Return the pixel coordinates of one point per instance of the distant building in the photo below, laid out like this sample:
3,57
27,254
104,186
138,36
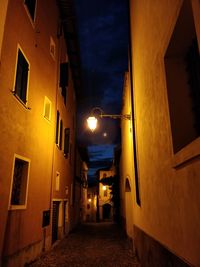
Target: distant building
104,195
91,204
160,166
37,119
81,186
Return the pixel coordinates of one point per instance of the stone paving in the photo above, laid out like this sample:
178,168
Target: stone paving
91,245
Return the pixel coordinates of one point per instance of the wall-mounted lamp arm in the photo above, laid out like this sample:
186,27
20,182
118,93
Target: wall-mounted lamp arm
116,116
92,120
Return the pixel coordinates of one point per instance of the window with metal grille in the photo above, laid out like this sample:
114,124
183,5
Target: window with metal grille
31,6
20,181
21,80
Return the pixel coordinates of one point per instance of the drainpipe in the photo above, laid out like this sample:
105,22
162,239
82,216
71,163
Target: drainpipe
133,114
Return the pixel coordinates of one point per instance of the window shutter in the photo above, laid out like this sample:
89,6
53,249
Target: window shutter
61,134
66,142
21,77
64,79
57,126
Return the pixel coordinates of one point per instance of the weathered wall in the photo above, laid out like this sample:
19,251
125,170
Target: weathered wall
169,183
26,132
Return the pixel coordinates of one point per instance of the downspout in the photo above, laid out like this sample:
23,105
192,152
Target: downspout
137,190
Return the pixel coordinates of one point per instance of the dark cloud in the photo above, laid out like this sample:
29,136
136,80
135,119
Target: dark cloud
103,37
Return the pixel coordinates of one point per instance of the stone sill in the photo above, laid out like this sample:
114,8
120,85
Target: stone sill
187,155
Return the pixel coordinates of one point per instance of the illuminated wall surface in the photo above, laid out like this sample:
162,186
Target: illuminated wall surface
37,158
127,172
166,223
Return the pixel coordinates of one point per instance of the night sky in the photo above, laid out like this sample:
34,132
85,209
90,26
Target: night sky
103,38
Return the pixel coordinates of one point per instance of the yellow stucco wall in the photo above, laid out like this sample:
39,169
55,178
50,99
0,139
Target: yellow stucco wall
3,12
126,164
170,199
25,131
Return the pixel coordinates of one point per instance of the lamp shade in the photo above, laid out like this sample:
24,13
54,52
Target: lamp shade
92,123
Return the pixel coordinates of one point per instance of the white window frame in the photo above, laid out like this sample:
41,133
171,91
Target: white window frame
28,13
19,207
47,101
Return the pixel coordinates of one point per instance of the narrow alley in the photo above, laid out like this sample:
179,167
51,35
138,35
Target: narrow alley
93,244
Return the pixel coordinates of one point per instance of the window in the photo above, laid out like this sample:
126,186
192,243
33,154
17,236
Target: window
57,182
31,4
66,141
61,134
182,67
57,127
20,181
105,193
47,108
52,48
64,80
21,80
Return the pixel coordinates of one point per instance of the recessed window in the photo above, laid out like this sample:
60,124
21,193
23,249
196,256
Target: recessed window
20,181
64,79
52,48
57,127
47,108
31,7
182,65
57,182
21,80
105,193
61,135
66,141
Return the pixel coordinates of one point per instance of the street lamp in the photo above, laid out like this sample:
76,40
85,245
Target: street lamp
92,120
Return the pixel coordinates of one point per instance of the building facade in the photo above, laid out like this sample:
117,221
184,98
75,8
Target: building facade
37,116
104,195
91,205
126,162
163,214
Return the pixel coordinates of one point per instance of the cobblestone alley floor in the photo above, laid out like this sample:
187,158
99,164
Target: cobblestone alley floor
91,245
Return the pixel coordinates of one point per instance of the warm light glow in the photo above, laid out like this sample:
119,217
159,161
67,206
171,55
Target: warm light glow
89,200
104,187
92,123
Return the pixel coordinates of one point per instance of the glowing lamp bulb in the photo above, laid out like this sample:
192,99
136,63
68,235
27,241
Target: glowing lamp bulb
104,187
92,123
89,200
